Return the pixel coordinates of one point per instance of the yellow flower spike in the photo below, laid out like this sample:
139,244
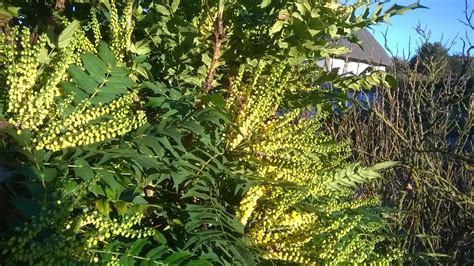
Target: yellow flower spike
289,149
31,99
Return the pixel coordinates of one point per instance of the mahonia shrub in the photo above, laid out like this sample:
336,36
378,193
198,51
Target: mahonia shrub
97,182
73,97
79,94
303,206
107,166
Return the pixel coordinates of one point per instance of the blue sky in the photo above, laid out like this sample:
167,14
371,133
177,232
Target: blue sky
442,18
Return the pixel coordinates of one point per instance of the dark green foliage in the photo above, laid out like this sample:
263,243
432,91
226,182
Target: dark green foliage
430,56
172,173
179,160
181,36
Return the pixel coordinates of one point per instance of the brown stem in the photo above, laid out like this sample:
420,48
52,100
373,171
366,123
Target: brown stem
60,4
219,38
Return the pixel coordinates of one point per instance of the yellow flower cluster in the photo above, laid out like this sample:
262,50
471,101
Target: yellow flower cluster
114,26
7,50
111,228
290,215
27,247
121,29
254,103
292,225
249,203
345,242
387,259
21,78
31,89
334,203
83,45
290,255
95,27
84,127
205,22
338,9
20,248
34,90
62,19
331,247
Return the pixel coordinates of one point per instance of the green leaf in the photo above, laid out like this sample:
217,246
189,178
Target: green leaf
178,257
126,260
43,56
96,189
106,54
315,24
119,71
242,254
70,187
194,127
121,207
157,88
31,172
302,8
26,206
49,174
103,207
433,254
175,94
391,81
140,48
83,80
165,142
265,3
23,138
120,82
95,66
67,34
178,222
137,246
162,9
107,94
179,177
70,88
110,180
199,262
155,101
196,194
401,9
156,252
175,5
83,170
277,26
9,10
384,165
152,143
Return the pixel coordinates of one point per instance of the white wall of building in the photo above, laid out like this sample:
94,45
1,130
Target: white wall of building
354,68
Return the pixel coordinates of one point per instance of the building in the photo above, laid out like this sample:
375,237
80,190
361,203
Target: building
370,53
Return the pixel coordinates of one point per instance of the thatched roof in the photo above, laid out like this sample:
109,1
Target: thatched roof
372,52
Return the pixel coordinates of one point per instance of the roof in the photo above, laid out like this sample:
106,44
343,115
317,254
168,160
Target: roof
372,52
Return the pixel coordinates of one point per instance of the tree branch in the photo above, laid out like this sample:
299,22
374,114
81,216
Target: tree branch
219,38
